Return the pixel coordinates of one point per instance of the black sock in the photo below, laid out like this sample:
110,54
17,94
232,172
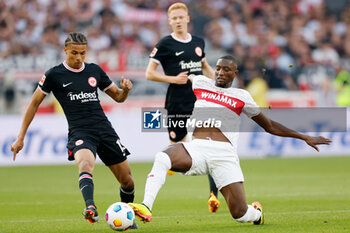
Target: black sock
86,186
213,187
127,195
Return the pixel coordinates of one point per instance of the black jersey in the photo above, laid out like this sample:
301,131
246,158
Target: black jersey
76,91
177,56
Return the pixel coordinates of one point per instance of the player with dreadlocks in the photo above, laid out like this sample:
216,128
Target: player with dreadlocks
74,83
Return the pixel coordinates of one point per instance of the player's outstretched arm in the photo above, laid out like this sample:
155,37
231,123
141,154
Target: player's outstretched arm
153,75
37,98
122,93
278,129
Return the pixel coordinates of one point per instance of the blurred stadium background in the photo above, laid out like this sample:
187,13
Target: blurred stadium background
292,53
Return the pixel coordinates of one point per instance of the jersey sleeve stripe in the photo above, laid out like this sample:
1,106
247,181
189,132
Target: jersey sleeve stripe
104,90
155,60
43,91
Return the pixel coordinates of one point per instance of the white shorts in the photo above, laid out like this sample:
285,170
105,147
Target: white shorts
216,158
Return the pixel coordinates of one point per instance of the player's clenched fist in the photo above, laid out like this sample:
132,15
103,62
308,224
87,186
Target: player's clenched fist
181,78
125,84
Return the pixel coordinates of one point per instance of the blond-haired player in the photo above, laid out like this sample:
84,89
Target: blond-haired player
180,54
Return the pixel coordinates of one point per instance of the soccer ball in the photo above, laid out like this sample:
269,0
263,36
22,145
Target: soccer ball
120,216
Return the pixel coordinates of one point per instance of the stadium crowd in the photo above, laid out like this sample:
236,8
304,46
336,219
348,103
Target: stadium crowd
291,44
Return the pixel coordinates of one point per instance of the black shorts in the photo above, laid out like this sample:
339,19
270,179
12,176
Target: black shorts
105,142
177,126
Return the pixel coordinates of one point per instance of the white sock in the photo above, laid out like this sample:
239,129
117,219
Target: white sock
250,216
156,178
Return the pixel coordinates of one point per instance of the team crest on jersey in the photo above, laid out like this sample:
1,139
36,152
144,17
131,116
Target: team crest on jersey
92,81
198,51
79,142
172,134
42,80
154,51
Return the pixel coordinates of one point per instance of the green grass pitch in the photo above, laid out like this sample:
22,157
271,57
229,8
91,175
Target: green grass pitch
298,195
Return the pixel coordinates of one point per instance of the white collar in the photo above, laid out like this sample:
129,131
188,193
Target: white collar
189,38
72,69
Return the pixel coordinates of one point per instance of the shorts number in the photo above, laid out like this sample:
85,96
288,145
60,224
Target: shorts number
122,148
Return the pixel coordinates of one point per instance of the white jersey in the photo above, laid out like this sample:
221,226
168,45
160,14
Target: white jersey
215,104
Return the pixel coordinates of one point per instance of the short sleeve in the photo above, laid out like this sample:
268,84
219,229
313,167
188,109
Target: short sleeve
200,81
105,82
159,52
45,83
251,109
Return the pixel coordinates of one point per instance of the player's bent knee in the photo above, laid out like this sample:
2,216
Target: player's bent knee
163,158
86,166
181,161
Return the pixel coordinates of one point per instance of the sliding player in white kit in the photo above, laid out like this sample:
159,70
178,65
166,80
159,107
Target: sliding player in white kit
213,149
